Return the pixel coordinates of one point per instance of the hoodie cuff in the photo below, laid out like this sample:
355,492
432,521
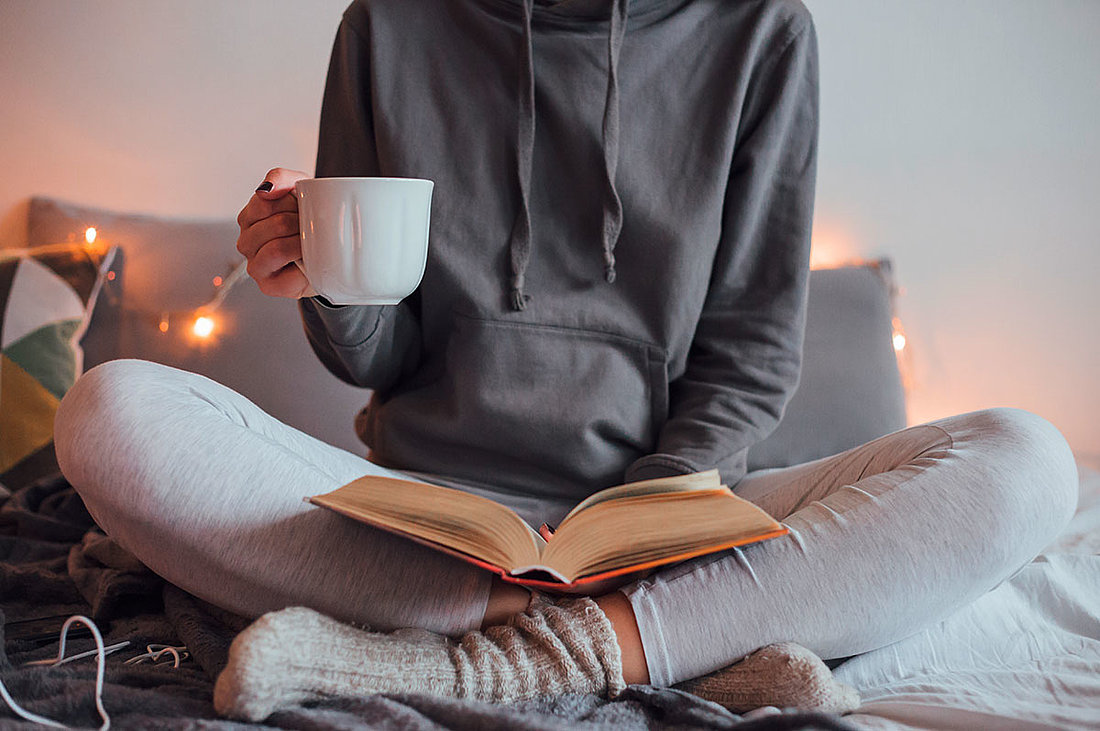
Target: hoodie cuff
346,325
653,466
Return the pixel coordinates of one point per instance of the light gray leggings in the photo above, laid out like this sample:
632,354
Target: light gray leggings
885,539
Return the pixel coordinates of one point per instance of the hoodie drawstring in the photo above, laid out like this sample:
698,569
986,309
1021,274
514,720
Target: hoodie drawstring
613,207
520,244
520,241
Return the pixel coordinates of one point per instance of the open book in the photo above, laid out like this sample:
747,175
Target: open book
617,532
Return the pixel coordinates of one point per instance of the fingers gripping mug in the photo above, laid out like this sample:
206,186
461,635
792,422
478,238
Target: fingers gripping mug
364,240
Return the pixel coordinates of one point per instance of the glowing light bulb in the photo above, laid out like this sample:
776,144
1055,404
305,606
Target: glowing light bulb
899,341
163,324
203,326
217,281
110,276
89,235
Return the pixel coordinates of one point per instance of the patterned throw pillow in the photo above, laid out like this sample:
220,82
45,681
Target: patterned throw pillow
167,265
46,298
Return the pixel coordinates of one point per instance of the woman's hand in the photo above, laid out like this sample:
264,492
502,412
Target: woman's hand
269,237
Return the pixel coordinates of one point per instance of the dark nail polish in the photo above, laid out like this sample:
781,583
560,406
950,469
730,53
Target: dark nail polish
265,187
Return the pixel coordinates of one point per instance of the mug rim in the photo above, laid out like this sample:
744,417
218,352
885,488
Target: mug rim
338,178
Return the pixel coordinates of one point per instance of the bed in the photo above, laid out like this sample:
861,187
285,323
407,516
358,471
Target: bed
1025,656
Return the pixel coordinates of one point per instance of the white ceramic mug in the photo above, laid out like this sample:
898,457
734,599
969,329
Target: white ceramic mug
364,240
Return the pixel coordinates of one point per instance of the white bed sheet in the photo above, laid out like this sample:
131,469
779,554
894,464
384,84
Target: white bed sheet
1024,656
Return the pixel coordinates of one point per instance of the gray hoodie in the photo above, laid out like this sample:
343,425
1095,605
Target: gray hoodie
617,268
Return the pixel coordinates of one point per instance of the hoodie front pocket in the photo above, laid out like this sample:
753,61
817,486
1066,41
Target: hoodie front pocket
559,411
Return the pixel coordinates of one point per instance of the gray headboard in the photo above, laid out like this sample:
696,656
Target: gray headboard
850,390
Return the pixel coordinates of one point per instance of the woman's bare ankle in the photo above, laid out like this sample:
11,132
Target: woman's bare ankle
618,610
504,600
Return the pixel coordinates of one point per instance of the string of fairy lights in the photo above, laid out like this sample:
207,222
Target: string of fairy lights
203,321
897,335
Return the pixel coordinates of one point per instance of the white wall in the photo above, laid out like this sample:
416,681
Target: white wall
960,138
164,106
956,137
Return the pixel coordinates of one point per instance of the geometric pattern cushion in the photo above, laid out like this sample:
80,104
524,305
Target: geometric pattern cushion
167,265
46,297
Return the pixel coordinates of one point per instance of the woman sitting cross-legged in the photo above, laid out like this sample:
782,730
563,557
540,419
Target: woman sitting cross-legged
615,291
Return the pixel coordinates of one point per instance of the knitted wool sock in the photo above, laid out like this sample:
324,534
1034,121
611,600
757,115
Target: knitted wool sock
296,655
782,675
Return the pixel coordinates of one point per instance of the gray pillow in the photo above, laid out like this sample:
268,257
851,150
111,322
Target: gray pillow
850,391
169,265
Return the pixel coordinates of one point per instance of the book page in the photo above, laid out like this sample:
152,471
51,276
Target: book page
459,520
677,483
655,529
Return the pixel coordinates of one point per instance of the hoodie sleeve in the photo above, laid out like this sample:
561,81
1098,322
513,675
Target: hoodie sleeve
369,346
746,353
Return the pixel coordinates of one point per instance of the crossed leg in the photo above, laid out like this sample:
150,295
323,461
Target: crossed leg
206,489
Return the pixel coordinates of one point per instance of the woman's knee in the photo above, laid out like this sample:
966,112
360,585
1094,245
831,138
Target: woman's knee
1028,458
1040,446
106,409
